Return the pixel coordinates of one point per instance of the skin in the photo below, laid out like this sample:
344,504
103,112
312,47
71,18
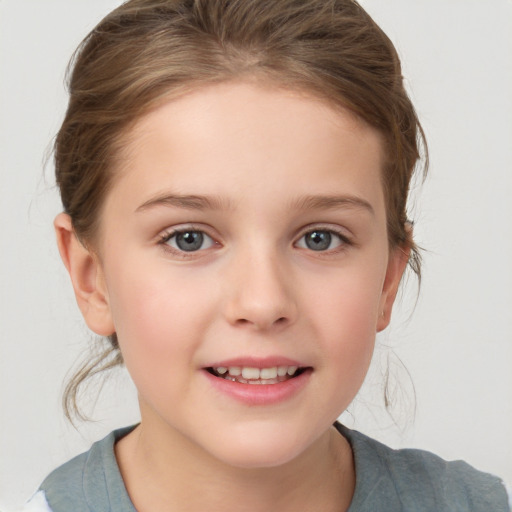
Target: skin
254,288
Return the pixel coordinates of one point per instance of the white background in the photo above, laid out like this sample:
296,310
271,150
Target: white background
457,345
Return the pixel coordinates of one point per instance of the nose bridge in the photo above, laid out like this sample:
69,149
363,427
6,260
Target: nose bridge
260,292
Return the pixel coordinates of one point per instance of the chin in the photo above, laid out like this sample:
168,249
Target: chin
253,448
257,458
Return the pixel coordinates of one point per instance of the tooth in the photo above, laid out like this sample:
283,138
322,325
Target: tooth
292,370
282,370
268,373
250,373
255,382
235,371
221,370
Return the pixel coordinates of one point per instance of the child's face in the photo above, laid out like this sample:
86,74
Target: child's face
280,259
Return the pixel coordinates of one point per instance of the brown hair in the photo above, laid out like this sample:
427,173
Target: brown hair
146,51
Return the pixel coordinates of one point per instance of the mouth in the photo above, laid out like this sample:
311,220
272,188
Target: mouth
257,376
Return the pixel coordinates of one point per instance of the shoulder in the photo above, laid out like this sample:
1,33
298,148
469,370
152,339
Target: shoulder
452,483
419,480
64,487
86,483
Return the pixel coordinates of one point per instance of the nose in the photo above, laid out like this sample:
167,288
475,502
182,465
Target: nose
260,293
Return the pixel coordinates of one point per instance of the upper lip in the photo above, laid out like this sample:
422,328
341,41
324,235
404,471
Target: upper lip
256,362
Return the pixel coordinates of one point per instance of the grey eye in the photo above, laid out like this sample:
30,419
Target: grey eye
320,240
190,241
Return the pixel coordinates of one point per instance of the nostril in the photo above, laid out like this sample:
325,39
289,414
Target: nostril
262,324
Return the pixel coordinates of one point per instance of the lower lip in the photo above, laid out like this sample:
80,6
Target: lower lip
260,394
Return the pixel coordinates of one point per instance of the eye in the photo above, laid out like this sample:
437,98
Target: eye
189,240
321,240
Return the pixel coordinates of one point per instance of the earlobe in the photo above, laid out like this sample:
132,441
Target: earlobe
86,277
398,259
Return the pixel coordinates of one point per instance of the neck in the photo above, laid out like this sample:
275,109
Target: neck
164,474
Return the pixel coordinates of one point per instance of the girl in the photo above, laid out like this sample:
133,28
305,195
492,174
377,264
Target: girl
234,176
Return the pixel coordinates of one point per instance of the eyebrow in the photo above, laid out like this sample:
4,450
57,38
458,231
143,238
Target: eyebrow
333,202
188,202
311,202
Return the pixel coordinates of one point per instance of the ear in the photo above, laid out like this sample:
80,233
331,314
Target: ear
398,259
86,276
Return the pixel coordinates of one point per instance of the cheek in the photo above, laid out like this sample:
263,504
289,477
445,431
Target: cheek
345,310
348,300
156,325
157,316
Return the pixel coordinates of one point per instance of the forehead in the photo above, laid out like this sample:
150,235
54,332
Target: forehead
238,138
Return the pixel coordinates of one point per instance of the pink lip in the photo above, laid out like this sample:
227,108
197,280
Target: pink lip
259,394
257,362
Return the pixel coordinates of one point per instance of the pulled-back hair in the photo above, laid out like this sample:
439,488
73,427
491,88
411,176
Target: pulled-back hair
149,51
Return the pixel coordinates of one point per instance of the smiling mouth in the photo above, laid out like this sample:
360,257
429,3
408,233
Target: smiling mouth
248,375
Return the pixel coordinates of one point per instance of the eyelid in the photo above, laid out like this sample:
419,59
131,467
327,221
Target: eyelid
333,228
183,227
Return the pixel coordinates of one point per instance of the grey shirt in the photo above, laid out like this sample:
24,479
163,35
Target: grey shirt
387,480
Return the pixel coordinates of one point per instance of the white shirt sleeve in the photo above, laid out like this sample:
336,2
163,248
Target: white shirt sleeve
37,503
509,493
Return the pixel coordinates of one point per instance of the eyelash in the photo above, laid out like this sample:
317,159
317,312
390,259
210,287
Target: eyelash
166,237
344,240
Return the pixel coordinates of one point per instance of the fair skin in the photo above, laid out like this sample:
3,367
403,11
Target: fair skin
281,259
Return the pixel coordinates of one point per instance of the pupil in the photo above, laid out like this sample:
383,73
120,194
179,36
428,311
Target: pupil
189,241
318,240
